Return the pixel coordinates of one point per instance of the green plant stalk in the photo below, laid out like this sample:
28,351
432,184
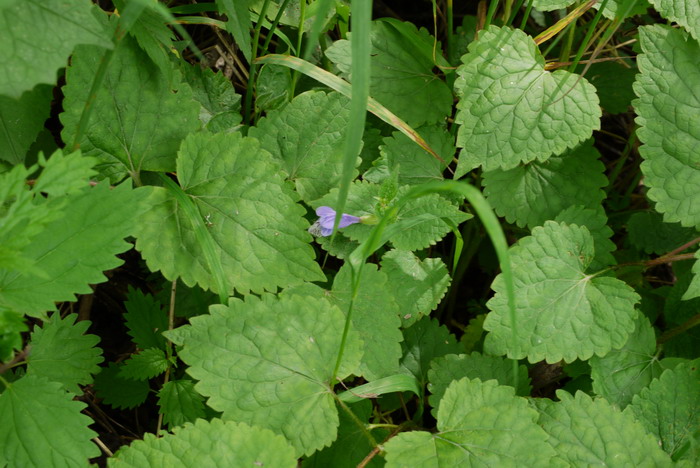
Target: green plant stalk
591,29
450,29
492,11
517,8
566,49
556,40
300,40
253,67
363,427
693,321
526,16
506,10
621,161
271,33
168,343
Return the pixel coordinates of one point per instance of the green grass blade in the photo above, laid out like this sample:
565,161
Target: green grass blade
393,383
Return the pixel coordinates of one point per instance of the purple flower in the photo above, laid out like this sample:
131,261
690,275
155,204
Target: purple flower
326,218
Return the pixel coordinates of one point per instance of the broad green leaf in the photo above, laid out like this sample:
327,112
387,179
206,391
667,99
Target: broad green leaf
21,120
272,87
258,230
220,109
208,443
550,5
179,403
648,232
587,432
622,373
414,164
139,118
617,8
423,342
75,249
595,221
684,12
693,290
375,388
64,174
479,424
11,328
238,24
511,110
562,311
679,310
669,408
272,366
473,334
42,425
402,72
307,137
145,320
613,82
668,111
417,285
446,369
118,391
531,194
63,353
38,37
145,364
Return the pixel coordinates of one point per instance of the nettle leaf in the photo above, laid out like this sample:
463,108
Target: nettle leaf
39,35
423,342
591,432
668,408
531,194
119,391
62,352
145,320
617,8
308,137
684,12
208,443
402,72
678,310
43,426
417,285
693,290
274,360
12,326
668,121
446,369
479,424
511,110
258,230
22,119
648,232
562,312
595,221
139,117
179,403
75,249
550,5
145,364
220,109
622,373
613,82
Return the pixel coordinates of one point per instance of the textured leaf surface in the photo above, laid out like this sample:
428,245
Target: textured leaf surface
670,407
145,320
145,365
622,373
668,111
423,342
531,194
593,433
678,311
648,232
21,120
549,5
417,285
511,110
415,166
42,426
38,36
308,137
693,290
480,424
118,391
446,369
179,403
562,312
273,363
220,109
258,230
62,352
613,82
208,443
595,221
684,12
139,117
402,72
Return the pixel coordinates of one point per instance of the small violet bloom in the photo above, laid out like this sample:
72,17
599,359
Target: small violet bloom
326,218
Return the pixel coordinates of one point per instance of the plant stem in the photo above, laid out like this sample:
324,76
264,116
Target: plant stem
690,323
253,67
356,420
169,344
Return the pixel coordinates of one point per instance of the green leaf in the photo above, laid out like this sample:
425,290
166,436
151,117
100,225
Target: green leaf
145,364
375,388
446,369
118,391
208,443
668,408
258,230
668,125
423,342
63,353
617,8
239,24
693,290
39,35
75,249
595,221
145,320
11,327
613,82
531,194
684,12
179,403
64,175
677,311
587,432
414,164
43,426
220,109
622,373
648,232
21,120
562,312
402,72
417,285
307,136
479,424
550,5
273,364
139,117
511,110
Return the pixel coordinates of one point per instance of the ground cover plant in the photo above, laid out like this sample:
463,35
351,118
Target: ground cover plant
279,233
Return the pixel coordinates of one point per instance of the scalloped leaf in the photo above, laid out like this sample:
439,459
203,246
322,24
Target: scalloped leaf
415,166
145,319
145,365
667,111
62,352
479,424
562,312
208,443
258,230
648,232
118,391
179,403
424,341
531,194
274,360
220,109
22,119
693,290
596,222
684,12
43,426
